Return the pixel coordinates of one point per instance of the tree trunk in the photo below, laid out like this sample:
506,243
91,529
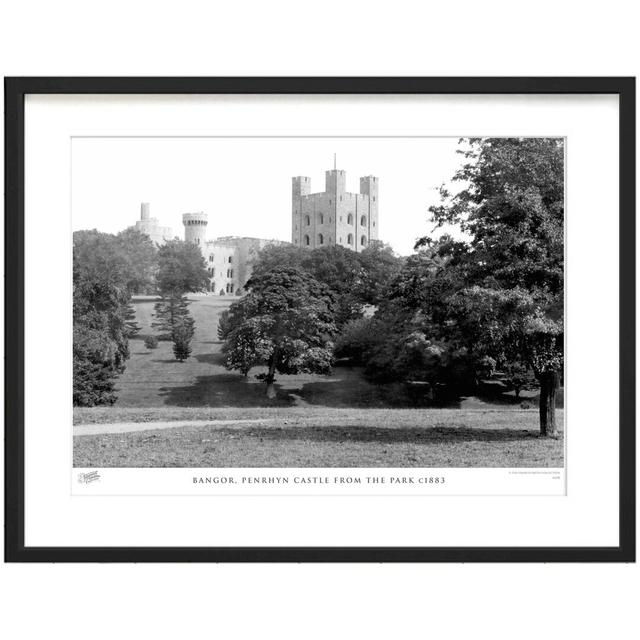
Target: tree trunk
271,376
548,389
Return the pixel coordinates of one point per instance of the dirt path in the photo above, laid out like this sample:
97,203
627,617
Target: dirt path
128,427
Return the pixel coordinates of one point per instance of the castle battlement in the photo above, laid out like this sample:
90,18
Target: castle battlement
334,216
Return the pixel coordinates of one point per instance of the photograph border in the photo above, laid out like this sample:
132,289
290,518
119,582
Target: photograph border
15,91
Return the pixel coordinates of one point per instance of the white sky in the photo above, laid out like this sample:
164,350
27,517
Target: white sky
244,184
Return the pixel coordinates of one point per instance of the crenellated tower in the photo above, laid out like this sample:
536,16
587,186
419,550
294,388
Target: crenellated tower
334,216
195,228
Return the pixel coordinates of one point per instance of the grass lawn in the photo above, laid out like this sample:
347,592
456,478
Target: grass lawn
305,437
340,420
153,378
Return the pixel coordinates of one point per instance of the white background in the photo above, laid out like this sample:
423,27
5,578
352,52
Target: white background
587,516
367,38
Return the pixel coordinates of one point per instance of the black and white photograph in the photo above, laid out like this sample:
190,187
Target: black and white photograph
291,326
320,320
318,302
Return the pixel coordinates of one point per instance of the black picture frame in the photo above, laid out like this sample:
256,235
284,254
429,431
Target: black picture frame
15,91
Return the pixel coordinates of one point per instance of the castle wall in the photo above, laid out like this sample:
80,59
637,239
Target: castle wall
230,260
222,264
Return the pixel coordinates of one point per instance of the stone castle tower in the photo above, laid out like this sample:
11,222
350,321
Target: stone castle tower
195,228
151,227
334,216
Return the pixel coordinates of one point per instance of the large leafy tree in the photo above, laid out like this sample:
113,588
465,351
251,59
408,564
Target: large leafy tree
356,279
181,269
140,254
501,293
101,316
379,267
285,323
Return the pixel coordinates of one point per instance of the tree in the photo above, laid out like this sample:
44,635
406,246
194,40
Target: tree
285,323
181,269
517,376
102,323
181,337
379,267
339,269
508,302
141,259
277,256
224,325
356,279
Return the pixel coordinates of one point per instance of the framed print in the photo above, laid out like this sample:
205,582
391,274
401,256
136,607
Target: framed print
320,319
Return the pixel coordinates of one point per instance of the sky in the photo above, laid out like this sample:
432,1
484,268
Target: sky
244,184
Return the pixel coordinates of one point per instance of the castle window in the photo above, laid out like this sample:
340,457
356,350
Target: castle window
374,224
363,240
230,259
321,218
230,272
350,219
211,258
306,240
340,239
307,219
374,198
340,198
329,219
363,220
350,239
197,240
320,239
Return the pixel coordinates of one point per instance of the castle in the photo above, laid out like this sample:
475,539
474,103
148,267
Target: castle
151,226
228,258
333,217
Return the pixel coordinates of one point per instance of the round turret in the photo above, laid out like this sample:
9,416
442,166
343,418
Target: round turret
195,227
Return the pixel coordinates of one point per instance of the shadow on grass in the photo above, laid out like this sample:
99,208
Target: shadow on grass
210,358
347,388
407,435
495,393
224,390
339,391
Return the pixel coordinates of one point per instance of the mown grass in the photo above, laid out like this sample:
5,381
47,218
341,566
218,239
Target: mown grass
153,378
339,438
316,421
